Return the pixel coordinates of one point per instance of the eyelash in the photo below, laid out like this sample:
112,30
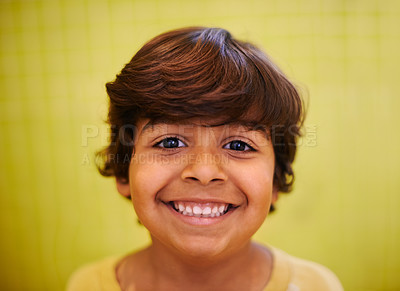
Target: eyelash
159,143
248,147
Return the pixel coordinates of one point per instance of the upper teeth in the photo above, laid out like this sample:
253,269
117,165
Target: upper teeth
201,210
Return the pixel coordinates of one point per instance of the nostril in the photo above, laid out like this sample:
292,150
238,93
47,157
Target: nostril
204,181
203,173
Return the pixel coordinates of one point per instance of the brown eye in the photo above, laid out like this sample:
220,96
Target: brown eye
170,143
238,145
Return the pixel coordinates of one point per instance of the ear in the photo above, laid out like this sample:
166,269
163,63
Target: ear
123,187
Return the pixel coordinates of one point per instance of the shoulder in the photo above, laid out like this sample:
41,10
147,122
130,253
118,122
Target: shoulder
306,275
314,276
95,276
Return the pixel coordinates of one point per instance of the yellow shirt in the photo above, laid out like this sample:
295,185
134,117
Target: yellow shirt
288,274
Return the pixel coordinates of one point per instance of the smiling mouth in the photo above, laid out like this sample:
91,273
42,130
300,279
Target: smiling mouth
205,210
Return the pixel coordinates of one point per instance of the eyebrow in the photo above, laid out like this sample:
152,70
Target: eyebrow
248,125
151,124
147,126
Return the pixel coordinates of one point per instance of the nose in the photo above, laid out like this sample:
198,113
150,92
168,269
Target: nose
205,168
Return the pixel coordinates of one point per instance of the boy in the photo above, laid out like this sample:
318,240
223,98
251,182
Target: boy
204,131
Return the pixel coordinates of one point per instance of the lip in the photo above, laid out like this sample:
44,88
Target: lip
199,221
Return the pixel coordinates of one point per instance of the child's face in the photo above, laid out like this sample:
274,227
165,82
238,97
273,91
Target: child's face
202,191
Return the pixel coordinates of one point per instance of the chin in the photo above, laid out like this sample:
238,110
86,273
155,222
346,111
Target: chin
203,249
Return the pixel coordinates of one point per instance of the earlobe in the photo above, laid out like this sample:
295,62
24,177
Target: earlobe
123,187
275,194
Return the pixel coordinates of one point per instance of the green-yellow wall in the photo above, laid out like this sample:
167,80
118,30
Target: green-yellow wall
57,213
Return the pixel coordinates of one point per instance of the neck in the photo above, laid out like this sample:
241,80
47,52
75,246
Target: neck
219,272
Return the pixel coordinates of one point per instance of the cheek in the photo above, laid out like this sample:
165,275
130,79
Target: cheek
261,190
259,186
143,180
147,178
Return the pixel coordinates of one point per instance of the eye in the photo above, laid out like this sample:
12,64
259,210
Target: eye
170,143
238,145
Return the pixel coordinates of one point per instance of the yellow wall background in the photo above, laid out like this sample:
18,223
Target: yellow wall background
57,213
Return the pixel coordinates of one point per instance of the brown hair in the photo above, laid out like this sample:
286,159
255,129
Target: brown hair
202,72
